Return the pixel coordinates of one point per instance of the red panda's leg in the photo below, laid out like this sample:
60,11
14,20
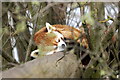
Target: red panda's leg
34,53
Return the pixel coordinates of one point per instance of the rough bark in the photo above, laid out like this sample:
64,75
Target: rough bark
52,66
98,11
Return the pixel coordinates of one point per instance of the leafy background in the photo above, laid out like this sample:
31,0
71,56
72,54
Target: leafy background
20,20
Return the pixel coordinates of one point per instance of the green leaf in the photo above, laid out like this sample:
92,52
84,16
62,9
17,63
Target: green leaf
102,72
20,27
35,3
4,30
88,18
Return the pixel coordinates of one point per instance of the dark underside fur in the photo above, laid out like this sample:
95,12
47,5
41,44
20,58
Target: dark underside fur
78,50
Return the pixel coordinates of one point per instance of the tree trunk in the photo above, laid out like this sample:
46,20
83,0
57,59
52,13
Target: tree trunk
57,14
98,11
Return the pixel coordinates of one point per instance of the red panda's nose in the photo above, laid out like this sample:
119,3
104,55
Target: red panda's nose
63,45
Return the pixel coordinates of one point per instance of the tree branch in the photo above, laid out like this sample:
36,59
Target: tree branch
52,66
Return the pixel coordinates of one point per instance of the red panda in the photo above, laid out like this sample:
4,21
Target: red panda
51,38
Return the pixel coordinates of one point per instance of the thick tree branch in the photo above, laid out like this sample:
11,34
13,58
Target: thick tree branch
52,66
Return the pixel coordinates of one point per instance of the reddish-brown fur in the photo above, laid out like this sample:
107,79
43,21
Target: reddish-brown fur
67,31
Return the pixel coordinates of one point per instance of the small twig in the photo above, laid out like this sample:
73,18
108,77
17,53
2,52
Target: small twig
109,18
31,39
42,11
30,43
7,57
87,35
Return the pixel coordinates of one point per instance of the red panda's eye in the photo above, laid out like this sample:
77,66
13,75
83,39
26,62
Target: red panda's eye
62,38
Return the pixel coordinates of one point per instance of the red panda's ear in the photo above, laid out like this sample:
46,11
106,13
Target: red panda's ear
49,27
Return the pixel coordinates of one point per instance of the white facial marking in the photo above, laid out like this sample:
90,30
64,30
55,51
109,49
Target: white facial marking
61,44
